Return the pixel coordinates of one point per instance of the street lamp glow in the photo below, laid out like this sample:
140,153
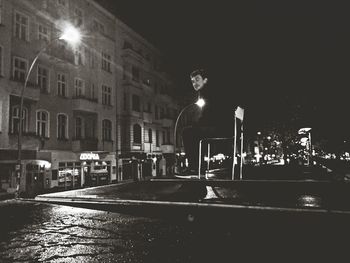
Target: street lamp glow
71,34
200,102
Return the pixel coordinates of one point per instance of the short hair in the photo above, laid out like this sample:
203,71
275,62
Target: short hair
198,72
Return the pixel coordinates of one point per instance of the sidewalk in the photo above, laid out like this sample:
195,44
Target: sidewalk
190,198
6,196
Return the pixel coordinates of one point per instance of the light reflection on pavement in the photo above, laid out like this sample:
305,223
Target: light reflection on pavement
49,233
32,232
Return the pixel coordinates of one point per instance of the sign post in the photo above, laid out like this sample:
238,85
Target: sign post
239,114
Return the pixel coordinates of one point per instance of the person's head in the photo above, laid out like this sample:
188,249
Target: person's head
198,79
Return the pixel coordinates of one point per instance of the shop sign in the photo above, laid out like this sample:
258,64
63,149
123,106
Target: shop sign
89,156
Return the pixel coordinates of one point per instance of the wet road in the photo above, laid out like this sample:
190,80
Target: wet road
32,232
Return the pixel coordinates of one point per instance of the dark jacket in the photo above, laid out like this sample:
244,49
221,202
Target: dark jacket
217,112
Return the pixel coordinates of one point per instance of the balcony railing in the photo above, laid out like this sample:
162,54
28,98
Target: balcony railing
62,53
107,146
86,144
29,140
130,53
31,92
147,117
167,122
82,103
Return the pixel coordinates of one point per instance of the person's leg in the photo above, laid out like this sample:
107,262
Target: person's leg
190,138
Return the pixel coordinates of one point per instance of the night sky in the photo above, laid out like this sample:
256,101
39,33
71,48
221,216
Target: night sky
268,56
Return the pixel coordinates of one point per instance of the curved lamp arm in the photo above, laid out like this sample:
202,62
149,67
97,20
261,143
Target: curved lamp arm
200,103
22,96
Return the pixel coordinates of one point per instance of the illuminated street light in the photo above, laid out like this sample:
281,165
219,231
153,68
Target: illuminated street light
70,35
200,103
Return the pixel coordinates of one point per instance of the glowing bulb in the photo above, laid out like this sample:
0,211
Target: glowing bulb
71,34
200,102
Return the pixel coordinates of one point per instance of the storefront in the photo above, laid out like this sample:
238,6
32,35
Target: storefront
73,170
97,169
59,170
35,176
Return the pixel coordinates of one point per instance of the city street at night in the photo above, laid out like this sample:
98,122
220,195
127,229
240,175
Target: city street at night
174,131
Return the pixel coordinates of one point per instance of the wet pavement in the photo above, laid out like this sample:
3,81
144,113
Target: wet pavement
168,220
32,232
36,232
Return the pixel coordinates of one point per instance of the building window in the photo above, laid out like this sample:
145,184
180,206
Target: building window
157,138
135,103
156,115
106,95
0,115
78,17
19,69
1,8
44,4
97,26
78,127
168,136
61,2
150,135
92,59
43,33
79,58
62,126
61,85
106,130
43,79
125,101
124,72
1,60
42,123
147,107
21,28
137,133
135,73
79,87
93,92
15,119
127,45
124,133
106,62
164,138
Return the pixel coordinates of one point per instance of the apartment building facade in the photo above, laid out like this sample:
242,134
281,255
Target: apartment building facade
147,110
85,106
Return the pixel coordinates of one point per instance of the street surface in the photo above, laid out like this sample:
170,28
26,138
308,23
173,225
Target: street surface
34,232
169,221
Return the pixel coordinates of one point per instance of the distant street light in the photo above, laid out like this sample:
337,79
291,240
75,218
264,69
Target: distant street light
71,35
307,131
200,103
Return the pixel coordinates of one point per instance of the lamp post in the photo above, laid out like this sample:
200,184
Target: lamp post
200,103
307,131
72,36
